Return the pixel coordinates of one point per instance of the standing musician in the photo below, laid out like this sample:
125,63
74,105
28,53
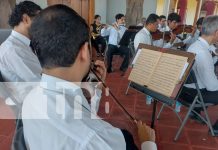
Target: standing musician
115,34
97,40
65,63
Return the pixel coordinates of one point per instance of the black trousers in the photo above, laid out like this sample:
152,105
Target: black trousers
123,51
130,145
188,94
99,43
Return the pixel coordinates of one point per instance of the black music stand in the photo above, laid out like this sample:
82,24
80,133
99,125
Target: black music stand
128,36
135,27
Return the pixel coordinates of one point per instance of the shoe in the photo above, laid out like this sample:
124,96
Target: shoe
215,129
196,118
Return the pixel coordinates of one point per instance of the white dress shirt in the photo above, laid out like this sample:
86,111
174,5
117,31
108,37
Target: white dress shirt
161,28
204,66
114,35
51,116
17,61
144,37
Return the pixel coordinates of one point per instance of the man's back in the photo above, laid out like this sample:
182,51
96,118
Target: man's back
67,126
17,61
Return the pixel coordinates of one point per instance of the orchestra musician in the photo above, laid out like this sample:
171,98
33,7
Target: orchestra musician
144,35
204,68
162,23
72,126
115,33
97,40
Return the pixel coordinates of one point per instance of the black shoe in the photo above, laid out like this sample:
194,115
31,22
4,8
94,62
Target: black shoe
195,117
215,129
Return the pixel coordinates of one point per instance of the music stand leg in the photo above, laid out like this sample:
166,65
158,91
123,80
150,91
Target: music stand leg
128,88
154,114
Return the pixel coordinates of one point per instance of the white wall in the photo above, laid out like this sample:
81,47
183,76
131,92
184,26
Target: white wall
149,7
41,3
114,7
119,6
101,9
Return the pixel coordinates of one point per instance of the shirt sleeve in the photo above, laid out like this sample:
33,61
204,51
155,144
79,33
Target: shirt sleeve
148,145
109,139
140,38
205,71
27,69
105,31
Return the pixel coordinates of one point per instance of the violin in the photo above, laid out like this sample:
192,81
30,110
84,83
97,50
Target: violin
166,35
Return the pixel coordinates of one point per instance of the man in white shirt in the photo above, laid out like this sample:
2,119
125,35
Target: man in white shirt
55,114
162,23
115,34
204,65
17,61
197,32
144,35
143,22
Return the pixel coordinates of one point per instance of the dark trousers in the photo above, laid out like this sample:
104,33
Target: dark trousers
99,43
130,145
123,51
188,95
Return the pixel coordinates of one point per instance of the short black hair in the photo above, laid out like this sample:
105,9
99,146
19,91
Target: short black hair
152,18
162,17
97,16
57,34
174,17
119,16
200,21
25,7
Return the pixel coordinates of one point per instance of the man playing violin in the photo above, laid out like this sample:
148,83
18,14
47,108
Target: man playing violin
204,67
144,35
56,114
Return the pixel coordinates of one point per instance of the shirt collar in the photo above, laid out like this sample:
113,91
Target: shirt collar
58,85
146,30
21,37
204,42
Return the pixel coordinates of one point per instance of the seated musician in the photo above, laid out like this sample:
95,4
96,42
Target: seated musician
197,32
47,126
115,34
143,21
144,35
204,67
97,40
162,23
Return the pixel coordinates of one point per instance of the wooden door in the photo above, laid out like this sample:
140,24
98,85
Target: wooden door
85,8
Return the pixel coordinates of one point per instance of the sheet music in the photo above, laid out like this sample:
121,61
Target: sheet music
167,73
136,56
145,64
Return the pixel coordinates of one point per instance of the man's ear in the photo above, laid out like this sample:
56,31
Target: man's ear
84,52
26,19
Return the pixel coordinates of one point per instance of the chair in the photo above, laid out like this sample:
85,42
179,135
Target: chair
4,34
18,142
198,102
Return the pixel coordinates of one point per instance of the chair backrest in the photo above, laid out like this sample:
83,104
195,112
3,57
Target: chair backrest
4,34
